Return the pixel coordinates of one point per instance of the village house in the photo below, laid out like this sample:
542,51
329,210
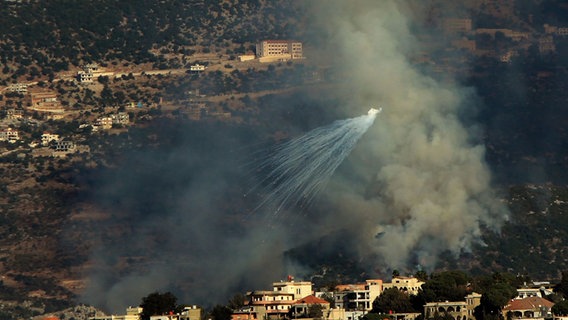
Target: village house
528,308
47,137
10,135
411,285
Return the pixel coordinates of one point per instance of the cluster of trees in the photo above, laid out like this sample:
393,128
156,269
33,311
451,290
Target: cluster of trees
496,290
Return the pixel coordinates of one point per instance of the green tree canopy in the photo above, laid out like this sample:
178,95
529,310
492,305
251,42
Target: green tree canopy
561,308
562,287
494,299
220,312
447,285
392,300
315,311
157,304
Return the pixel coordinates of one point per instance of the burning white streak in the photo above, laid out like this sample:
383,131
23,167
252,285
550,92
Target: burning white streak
432,188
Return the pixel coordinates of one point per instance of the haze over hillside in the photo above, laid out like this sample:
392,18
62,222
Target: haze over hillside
465,167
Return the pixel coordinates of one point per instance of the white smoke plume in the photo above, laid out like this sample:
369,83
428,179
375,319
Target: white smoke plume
430,186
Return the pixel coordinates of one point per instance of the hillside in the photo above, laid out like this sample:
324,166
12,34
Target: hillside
159,204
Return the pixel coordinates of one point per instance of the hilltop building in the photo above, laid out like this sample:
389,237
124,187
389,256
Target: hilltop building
47,137
278,50
90,72
18,88
44,101
10,135
14,114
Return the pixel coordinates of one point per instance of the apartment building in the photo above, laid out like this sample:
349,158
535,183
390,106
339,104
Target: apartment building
278,50
358,296
298,289
18,88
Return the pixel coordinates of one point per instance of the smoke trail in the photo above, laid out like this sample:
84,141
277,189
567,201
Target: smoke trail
299,169
429,189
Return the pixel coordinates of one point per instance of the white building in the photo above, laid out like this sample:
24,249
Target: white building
276,50
18,87
47,137
120,118
197,67
9,134
358,296
298,289
411,285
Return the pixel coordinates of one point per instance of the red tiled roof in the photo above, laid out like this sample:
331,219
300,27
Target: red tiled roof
311,299
529,303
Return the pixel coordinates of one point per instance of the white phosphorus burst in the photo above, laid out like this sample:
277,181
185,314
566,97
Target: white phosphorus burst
297,170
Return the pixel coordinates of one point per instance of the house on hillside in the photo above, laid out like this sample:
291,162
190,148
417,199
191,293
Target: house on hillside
411,285
301,307
534,308
10,135
458,310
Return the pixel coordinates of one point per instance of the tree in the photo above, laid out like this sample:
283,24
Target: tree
494,299
421,275
157,304
392,300
562,287
561,308
447,285
315,311
237,301
220,312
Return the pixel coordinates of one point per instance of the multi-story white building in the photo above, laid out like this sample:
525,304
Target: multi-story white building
9,134
18,87
358,296
299,289
104,123
47,137
275,50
